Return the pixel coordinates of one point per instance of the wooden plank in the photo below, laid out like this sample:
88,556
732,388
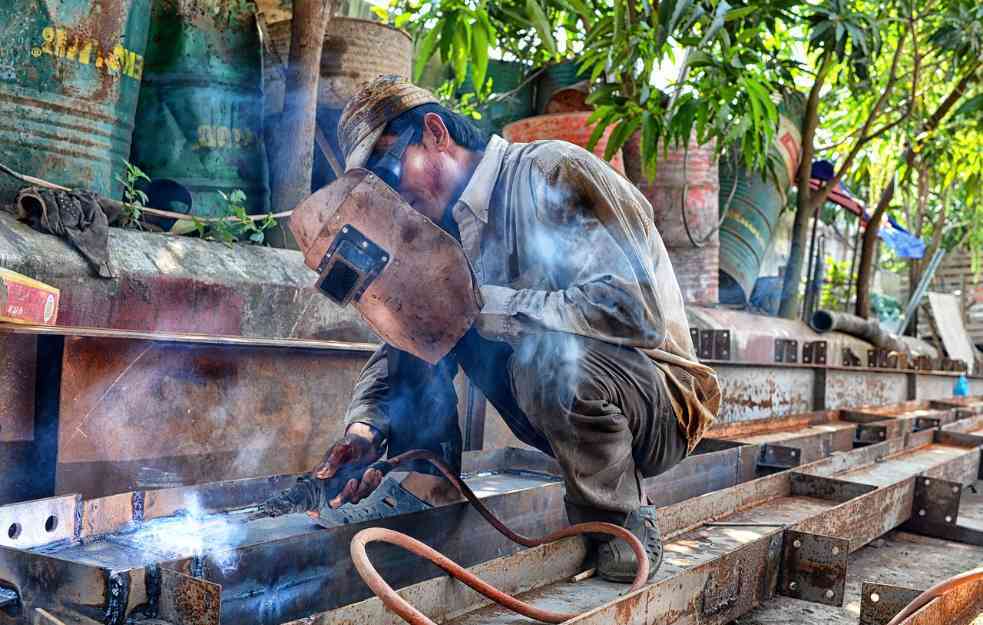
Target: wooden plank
946,311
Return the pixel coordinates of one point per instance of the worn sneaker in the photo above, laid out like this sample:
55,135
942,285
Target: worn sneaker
616,561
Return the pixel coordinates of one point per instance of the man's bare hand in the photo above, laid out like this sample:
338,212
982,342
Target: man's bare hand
359,448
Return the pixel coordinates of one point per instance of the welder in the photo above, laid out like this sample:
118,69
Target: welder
578,336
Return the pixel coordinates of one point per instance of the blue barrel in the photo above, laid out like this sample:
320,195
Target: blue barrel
70,76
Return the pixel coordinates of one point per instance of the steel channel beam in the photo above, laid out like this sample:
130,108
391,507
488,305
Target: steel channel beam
682,597
716,570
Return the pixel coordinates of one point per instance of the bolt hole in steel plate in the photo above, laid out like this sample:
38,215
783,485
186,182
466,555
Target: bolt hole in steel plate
34,523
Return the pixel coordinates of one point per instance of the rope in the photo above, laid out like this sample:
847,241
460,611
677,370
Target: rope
391,599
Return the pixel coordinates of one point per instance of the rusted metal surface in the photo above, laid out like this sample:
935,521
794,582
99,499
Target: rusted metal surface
18,360
69,78
844,387
813,567
29,524
959,607
815,434
761,392
192,338
185,600
140,414
900,560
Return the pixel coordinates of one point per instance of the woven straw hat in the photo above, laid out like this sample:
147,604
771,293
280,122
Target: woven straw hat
374,105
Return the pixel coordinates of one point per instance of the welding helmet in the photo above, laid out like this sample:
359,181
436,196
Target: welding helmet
409,280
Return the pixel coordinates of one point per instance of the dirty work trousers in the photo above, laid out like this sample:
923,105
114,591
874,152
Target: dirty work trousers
601,410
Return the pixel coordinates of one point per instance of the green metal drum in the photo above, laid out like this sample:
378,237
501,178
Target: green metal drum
69,80
753,207
200,117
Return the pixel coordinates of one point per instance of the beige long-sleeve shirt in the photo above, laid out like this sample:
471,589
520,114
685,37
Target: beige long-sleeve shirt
561,242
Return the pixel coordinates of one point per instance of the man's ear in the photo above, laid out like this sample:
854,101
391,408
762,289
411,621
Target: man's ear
435,132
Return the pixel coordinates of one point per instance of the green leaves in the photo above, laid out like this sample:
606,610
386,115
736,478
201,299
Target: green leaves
479,53
542,25
424,51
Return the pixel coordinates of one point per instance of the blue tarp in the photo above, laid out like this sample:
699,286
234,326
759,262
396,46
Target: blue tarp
904,244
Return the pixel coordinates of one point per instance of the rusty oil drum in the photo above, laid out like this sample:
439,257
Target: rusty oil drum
70,73
200,117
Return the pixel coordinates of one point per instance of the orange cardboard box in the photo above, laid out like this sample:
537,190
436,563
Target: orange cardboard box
25,300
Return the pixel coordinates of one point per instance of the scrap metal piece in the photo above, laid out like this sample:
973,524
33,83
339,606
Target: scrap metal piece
879,603
813,567
186,600
775,458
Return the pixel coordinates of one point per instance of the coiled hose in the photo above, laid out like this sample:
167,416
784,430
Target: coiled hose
411,615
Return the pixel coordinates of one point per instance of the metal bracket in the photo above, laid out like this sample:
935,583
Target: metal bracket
924,363
849,358
869,434
711,344
813,567
776,458
786,350
927,423
879,603
814,352
882,358
936,503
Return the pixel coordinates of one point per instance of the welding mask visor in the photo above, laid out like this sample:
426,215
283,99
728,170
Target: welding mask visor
409,280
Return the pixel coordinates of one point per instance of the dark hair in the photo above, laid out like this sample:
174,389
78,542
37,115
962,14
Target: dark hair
461,129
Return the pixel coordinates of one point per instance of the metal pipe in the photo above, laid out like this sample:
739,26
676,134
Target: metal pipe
867,329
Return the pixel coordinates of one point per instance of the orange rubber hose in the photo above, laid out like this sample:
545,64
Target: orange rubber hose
937,591
391,599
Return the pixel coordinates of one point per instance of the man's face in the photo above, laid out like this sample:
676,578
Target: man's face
430,173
